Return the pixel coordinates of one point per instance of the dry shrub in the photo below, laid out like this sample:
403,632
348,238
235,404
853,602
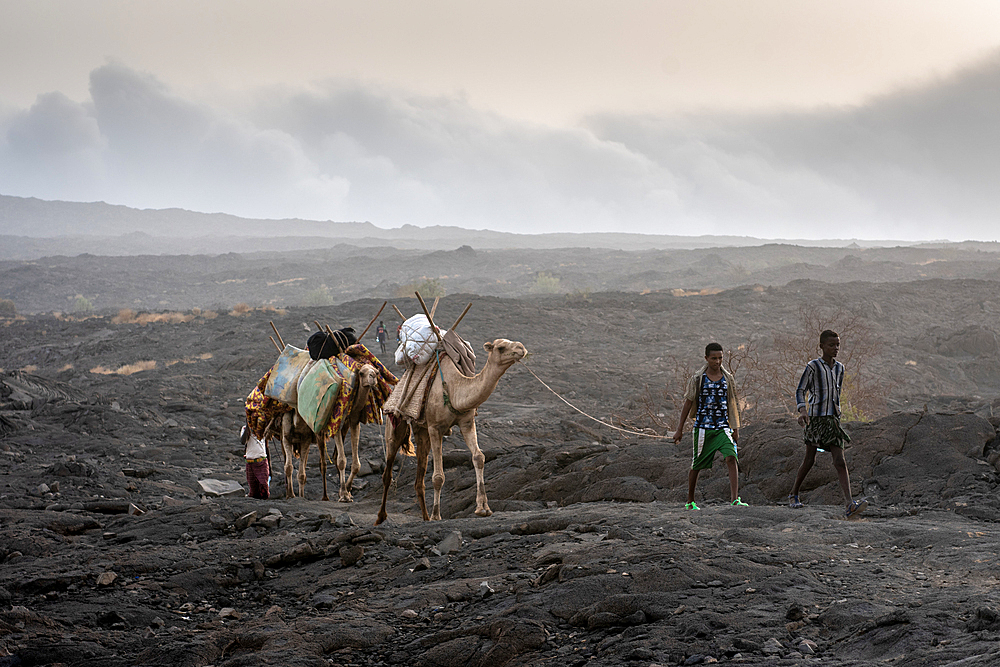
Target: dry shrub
30,368
209,314
428,288
196,311
240,309
127,369
169,318
124,316
82,304
137,367
67,367
863,396
767,374
189,360
708,291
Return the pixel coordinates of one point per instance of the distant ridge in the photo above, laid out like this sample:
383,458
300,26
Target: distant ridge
33,228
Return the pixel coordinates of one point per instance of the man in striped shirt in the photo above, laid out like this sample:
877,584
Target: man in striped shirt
821,382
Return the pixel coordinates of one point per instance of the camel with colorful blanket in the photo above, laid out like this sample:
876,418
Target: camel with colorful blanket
304,400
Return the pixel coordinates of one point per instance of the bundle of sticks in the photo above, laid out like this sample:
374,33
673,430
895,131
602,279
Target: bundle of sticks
280,343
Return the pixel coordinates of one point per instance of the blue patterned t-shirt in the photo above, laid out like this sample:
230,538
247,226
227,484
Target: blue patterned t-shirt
713,405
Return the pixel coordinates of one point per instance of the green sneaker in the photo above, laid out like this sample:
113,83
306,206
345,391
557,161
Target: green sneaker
738,503
691,506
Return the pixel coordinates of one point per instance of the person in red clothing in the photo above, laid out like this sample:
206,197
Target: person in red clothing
381,335
258,467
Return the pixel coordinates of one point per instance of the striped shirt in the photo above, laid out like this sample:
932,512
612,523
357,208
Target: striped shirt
823,385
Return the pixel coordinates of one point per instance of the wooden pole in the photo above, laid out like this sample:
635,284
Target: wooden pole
461,317
373,321
429,319
434,306
278,335
398,312
318,325
275,344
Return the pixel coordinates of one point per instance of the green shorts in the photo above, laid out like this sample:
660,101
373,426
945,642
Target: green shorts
706,442
826,432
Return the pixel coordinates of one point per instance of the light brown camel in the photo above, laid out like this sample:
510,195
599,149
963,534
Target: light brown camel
296,438
442,411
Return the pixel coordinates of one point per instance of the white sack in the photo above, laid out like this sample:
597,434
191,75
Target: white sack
417,341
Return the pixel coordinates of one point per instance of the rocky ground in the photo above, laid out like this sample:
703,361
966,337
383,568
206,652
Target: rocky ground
114,554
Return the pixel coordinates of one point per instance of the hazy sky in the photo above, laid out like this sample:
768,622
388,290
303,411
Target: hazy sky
768,118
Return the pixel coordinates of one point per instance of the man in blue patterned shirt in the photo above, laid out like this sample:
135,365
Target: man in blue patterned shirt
822,381
711,394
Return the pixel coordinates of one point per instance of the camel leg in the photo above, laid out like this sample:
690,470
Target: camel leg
435,438
345,492
423,448
394,439
303,460
355,458
479,463
288,451
321,443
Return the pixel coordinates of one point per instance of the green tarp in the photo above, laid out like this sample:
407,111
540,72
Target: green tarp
318,388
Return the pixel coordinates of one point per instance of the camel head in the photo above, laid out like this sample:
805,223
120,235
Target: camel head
504,353
367,377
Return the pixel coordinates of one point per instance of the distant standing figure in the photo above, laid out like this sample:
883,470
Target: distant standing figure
711,395
822,381
258,467
381,335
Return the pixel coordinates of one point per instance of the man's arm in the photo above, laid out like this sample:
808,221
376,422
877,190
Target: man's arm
685,411
805,384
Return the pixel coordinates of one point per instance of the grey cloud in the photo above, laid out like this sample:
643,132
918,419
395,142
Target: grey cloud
916,163
54,125
51,150
436,160
921,161
171,152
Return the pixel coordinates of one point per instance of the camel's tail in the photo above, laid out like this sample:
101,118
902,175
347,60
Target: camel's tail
406,449
400,425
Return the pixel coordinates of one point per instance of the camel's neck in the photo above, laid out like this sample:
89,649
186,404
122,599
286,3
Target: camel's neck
360,400
466,393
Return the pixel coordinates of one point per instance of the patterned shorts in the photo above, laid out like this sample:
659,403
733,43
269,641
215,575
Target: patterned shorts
826,432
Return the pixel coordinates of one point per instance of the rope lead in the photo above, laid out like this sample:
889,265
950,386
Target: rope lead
617,428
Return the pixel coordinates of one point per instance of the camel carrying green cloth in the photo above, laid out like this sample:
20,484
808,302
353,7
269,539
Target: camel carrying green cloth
335,405
354,358
320,386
